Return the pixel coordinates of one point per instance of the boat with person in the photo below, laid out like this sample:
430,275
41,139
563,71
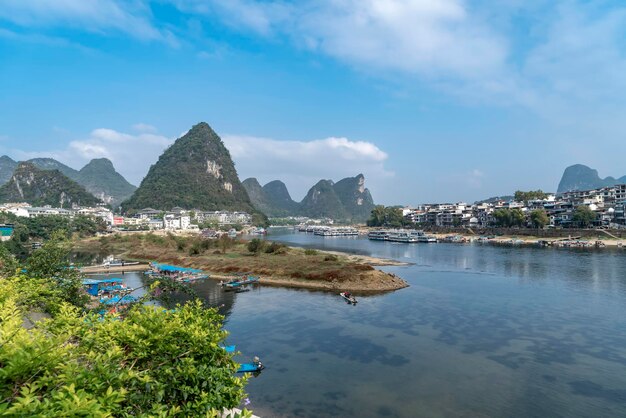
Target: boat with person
254,367
348,297
240,282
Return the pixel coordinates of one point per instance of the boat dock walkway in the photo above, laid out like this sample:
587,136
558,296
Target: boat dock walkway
114,269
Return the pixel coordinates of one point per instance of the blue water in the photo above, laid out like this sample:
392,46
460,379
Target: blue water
482,331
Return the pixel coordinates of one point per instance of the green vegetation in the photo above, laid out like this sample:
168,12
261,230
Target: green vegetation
255,246
539,218
509,217
583,216
58,357
45,187
387,217
42,228
521,196
152,363
196,172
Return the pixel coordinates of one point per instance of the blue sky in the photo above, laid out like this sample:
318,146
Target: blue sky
433,100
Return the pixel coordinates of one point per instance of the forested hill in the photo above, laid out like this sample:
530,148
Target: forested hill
44,187
100,178
196,172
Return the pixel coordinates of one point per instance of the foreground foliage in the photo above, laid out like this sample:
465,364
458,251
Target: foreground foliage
154,362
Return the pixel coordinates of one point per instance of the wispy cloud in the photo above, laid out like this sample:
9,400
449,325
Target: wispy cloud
98,16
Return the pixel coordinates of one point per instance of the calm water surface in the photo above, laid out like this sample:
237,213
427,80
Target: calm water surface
482,331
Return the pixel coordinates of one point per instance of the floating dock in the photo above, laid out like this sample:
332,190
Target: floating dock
114,269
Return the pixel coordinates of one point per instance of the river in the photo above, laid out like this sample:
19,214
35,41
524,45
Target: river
482,331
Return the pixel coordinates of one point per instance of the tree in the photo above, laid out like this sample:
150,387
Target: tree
387,216
256,245
584,216
517,217
377,217
8,263
521,196
51,261
502,217
539,218
225,242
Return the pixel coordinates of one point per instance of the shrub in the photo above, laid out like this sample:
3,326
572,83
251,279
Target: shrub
256,245
310,251
331,257
276,248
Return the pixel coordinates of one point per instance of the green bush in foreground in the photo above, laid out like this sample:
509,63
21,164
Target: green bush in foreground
153,362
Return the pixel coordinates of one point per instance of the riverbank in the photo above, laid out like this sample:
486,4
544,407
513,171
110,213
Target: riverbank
284,266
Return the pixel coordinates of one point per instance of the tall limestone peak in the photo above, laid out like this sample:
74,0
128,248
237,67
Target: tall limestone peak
581,177
322,201
195,172
7,167
277,193
257,195
273,199
102,180
44,187
355,198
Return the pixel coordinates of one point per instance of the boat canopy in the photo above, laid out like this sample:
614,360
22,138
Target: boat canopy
168,267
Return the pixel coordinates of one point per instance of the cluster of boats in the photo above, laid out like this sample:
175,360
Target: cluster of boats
111,291
329,231
401,235
179,274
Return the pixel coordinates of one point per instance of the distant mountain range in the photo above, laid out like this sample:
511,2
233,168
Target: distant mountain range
44,187
348,199
196,172
98,177
581,177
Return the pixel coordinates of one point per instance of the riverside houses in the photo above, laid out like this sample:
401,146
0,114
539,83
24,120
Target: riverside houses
182,219
609,204
27,211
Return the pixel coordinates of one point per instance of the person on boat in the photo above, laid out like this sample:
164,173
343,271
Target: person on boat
257,362
347,294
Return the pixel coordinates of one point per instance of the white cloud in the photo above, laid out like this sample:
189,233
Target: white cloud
99,16
301,164
144,127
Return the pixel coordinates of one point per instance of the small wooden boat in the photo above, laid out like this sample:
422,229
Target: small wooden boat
348,297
